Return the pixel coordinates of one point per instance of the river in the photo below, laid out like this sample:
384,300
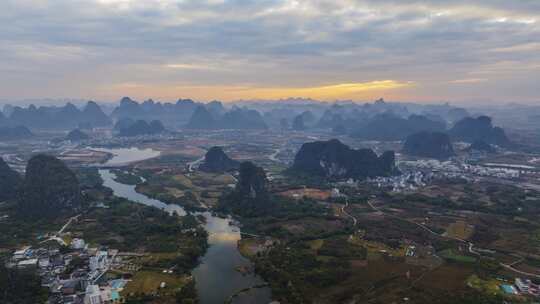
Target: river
124,156
216,276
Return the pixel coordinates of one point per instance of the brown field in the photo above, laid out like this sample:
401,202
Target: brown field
376,248
312,193
311,226
527,268
183,180
175,192
460,229
379,279
516,240
446,277
191,151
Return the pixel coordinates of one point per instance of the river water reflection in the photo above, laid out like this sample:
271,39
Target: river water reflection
128,192
124,156
216,277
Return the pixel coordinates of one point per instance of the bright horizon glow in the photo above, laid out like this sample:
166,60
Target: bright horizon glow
354,91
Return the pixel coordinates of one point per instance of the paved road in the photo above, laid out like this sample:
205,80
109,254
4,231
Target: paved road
67,224
348,214
195,163
415,223
56,236
273,156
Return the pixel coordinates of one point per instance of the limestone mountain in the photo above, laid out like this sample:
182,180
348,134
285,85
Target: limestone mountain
123,123
298,123
49,188
128,108
251,196
252,181
10,181
217,161
93,115
67,116
172,115
140,127
53,117
31,117
236,118
202,119
429,144
216,108
481,128
14,133
333,159
241,118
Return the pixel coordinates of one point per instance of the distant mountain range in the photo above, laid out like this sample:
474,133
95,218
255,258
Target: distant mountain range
236,118
380,120
171,114
388,126
65,117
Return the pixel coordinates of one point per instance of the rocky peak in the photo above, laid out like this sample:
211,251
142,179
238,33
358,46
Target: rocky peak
252,181
333,159
429,144
10,181
216,160
49,188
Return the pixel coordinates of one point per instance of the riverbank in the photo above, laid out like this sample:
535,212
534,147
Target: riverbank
216,271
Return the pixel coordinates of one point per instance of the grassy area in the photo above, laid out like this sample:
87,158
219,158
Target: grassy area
460,229
148,282
191,191
490,286
375,248
183,180
126,177
315,245
450,254
249,247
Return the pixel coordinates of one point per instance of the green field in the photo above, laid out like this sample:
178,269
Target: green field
149,281
450,254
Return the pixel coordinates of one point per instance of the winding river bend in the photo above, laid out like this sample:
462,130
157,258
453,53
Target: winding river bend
216,277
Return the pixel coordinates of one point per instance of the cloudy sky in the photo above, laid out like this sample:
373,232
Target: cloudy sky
462,51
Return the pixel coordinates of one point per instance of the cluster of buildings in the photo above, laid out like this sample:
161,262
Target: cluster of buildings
408,181
462,169
419,173
74,276
522,287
